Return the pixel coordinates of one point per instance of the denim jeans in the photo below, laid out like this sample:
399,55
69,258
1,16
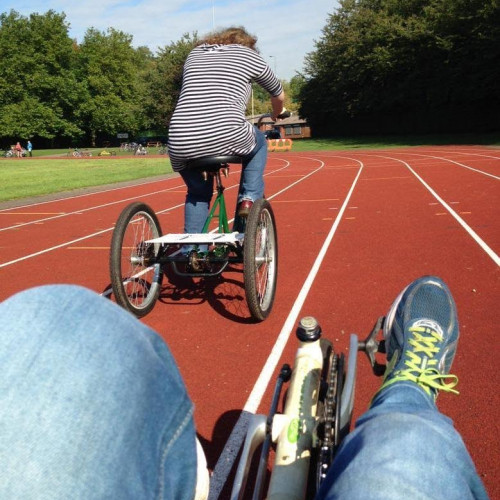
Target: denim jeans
403,448
199,194
92,405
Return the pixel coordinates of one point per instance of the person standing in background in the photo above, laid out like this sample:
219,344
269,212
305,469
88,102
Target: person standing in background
18,149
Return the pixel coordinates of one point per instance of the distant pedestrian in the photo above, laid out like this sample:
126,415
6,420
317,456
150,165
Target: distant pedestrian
29,147
18,149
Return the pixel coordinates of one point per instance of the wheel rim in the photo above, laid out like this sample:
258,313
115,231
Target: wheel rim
139,279
265,260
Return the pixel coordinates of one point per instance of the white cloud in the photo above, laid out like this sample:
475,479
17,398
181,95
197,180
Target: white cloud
285,29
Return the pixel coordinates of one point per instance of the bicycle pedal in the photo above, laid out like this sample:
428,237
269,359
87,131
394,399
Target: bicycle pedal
381,346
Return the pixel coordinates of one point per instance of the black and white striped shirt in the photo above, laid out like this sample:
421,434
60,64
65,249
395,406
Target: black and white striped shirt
209,118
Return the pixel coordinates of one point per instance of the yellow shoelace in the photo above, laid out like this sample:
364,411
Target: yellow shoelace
422,368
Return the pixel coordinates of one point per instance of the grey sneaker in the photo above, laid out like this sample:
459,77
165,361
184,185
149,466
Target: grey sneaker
421,336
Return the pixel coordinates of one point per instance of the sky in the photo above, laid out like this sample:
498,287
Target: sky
286,29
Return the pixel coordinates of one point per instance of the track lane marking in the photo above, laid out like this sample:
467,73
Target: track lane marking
452,212
496,177
58,215
231,448
80,211
169,209
46,250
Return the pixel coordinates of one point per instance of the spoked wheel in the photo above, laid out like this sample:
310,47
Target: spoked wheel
260,259
135,278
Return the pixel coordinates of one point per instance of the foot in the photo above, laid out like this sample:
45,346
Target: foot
202,476
421,336
194,264
244,208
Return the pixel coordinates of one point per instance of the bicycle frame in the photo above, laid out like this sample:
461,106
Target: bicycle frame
138,247
295,430
220,203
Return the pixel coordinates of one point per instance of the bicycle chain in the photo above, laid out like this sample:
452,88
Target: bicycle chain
328,442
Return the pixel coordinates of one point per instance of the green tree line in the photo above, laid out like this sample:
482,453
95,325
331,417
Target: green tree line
59,93
405,66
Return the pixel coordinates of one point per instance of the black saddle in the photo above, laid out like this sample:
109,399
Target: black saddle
211,163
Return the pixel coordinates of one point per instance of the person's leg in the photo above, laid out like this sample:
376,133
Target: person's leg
402,447
252,176
91,402
198,198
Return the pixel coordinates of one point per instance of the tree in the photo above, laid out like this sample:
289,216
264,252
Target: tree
163,80
38,87
405,65
108,68
296,84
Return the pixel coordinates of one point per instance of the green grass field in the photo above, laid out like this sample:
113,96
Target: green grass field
52,171
25,178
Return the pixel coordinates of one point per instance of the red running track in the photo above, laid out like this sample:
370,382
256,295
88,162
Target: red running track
354,228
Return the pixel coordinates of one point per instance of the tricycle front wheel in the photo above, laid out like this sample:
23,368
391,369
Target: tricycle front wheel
260,259
135,277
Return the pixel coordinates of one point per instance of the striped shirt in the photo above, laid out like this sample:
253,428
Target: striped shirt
209,118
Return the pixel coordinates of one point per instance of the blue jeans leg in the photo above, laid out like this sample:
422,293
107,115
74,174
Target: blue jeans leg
92,405
252,177
403,447
198,198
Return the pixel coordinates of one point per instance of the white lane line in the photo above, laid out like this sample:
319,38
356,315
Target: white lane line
459,164
480,152
257,393
67,243
83,210
96,207
467,228
46,250
233,444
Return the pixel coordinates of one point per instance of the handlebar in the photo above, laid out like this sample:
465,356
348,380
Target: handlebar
284,114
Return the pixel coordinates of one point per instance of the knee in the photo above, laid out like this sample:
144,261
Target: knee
67,315
66,325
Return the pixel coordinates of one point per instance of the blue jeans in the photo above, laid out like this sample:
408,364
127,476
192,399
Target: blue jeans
92,405
403,448
200,191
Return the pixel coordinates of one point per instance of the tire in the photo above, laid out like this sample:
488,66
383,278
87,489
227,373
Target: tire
260,259
136,284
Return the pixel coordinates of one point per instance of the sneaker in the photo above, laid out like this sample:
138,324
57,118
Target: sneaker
421,336
202,475
244,208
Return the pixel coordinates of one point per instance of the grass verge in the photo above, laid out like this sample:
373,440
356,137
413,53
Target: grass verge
41,175
29,177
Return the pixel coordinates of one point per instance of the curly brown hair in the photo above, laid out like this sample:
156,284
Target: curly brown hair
228,36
